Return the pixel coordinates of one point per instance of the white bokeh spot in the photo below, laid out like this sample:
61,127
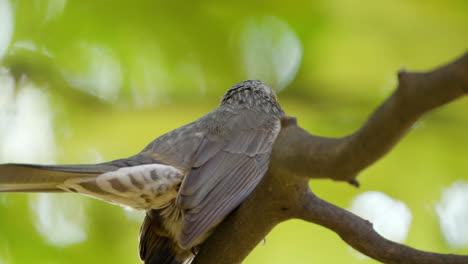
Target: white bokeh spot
93,156
6,26
27,136
270,51
54,9
28,45
452,210
98,72
390,218
59,218
27,133
148,76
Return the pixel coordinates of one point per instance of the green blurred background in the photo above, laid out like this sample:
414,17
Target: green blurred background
88,81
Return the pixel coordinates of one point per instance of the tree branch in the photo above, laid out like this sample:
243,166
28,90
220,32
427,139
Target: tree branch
269,204
417,93
343,158
298,156
360,234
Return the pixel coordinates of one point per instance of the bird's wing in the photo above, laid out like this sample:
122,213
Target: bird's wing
148,180
217,184
181,146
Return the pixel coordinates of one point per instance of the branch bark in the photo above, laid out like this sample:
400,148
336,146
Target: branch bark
299,156
360,234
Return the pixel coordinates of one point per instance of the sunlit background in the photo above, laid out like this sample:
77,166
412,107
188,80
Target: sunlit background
88,81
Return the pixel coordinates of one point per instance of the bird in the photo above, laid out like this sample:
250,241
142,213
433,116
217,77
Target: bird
187,180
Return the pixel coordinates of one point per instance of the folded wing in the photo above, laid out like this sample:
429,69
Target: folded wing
214,188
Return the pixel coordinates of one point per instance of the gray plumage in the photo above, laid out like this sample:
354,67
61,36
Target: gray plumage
188,180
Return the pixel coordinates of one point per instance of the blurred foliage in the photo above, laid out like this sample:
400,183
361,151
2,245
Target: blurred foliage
121,73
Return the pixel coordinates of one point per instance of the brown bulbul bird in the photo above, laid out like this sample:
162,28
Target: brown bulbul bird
187,180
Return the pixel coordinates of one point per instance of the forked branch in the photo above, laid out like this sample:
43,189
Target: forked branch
299,156
360,234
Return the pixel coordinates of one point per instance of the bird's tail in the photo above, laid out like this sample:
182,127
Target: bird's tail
44,178
157,246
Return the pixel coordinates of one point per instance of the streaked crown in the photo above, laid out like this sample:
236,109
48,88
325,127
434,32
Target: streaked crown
254,95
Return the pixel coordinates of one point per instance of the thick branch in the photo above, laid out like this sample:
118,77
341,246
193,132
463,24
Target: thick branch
298,156
343,158
270,203
360,234
417,93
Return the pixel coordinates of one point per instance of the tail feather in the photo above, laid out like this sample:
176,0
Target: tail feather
156,245
162,253
44,178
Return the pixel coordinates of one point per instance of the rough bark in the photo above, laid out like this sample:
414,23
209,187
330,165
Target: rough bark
299,156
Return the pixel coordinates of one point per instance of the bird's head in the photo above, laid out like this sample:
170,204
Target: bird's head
252,94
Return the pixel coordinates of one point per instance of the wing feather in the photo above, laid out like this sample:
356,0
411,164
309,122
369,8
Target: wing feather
221,201
198,182
221,180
